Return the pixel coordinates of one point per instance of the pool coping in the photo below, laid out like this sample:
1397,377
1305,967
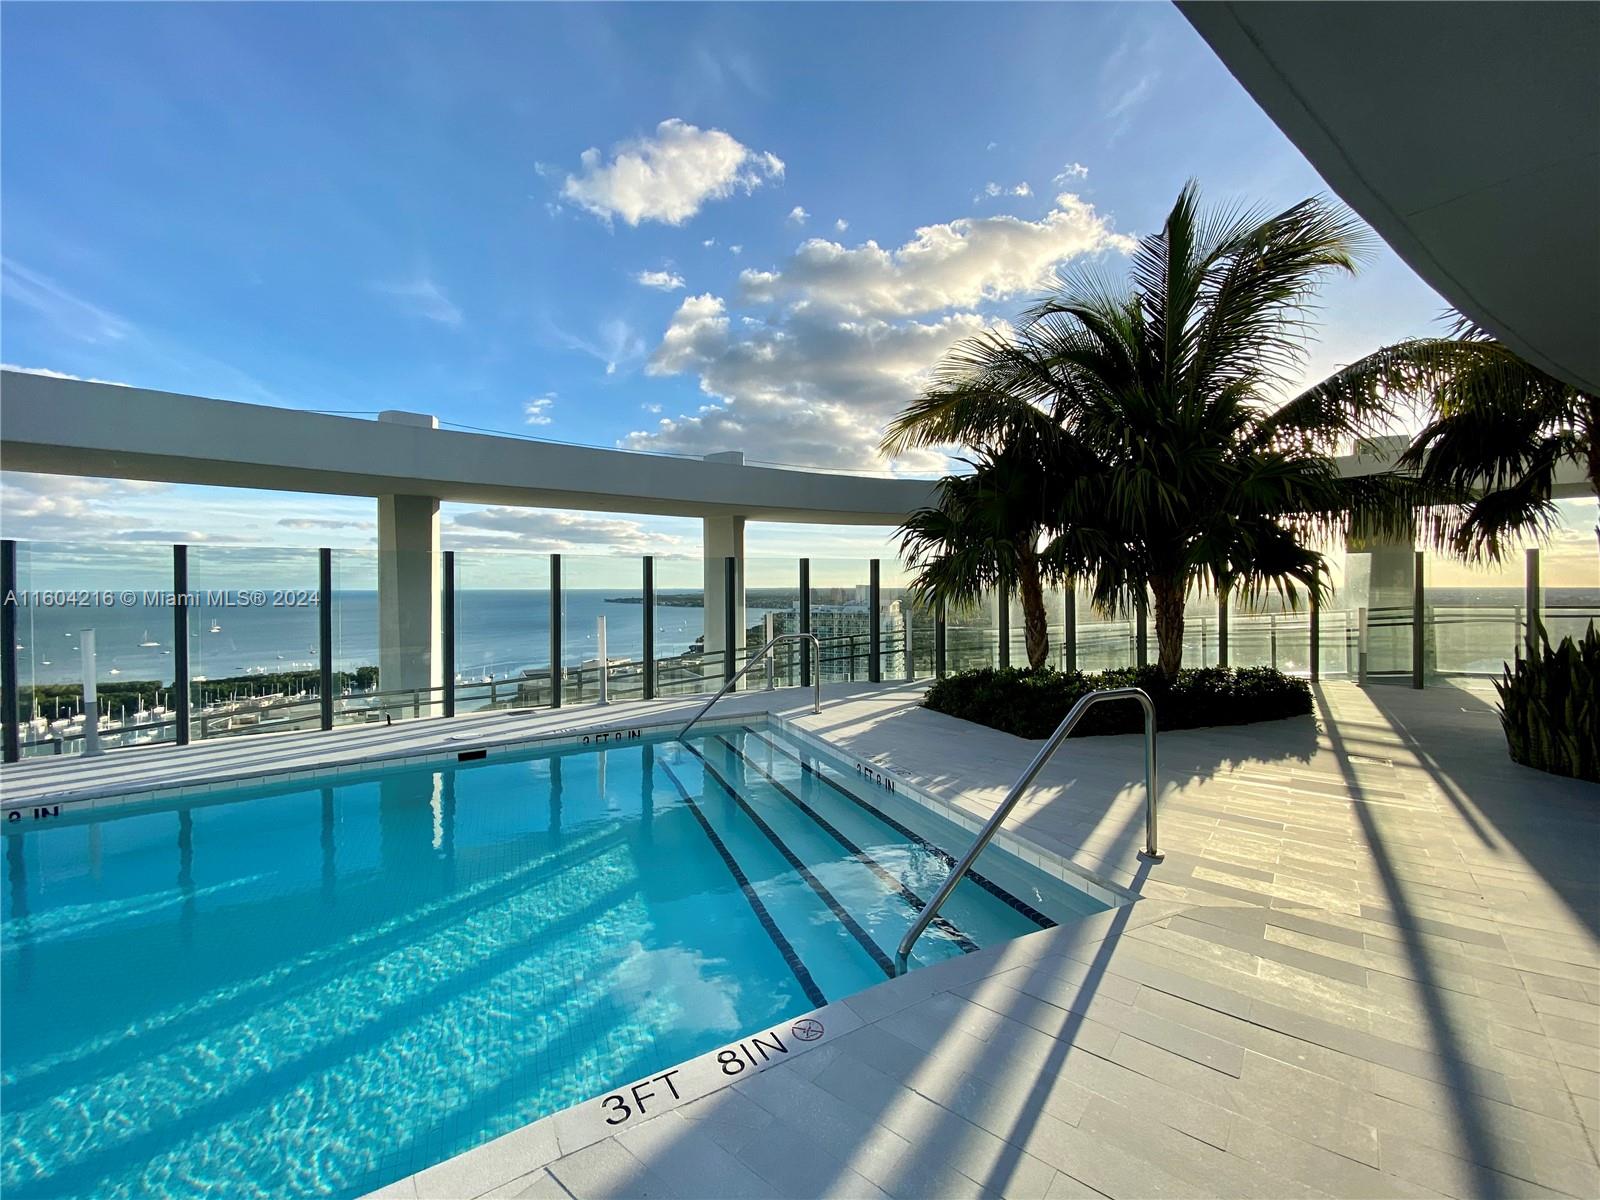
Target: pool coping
353,759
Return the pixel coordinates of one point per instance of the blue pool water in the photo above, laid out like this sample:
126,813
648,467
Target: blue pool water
318,987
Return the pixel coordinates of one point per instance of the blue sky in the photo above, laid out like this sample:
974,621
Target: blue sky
755,223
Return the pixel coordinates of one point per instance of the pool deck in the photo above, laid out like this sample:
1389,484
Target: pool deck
1368,966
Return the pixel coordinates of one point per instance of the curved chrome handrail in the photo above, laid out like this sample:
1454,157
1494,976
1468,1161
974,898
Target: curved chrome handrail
992,826
816,674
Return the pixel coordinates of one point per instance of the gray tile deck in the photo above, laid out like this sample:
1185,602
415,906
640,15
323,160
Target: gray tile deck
1369,966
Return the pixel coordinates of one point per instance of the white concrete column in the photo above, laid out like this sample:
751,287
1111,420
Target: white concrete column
723,537
410,574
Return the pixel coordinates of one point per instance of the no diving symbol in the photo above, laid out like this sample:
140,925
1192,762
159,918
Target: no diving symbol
807,1029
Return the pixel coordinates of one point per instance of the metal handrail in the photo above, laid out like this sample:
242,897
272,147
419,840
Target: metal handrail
992,826
761,655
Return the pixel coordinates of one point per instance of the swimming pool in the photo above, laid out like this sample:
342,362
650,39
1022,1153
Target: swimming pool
325,984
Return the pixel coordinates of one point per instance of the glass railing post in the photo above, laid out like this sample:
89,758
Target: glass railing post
649,630
767,635
555,631
325,635
732,635
874,632
1069,628
908,651
806,666
1002,604
1222,626
1316,637
9,707
447,645
1141,631
1530,602
180,644
1416,622
941,636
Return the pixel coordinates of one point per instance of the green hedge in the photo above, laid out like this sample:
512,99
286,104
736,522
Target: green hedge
1550,708
1031,704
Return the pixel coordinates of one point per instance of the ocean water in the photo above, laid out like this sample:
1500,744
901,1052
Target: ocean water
498,632
318,987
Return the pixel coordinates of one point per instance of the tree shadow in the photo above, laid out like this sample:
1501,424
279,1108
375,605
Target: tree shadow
1551,823
1477,1139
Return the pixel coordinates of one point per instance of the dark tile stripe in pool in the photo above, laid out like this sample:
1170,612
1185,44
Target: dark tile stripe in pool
988,885
874,951
812,991
886,877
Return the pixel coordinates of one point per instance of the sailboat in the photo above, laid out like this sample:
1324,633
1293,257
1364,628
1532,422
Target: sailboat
215,627
149,642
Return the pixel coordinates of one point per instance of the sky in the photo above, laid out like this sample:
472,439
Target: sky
678,229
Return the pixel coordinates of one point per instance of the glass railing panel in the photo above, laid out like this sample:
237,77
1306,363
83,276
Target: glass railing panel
772,607
841,617
124,593
1271,630
357,697
972,634
596,587
1569,571
1473,614
502,606
898,626
254,652
1106,641
1199,629
682,666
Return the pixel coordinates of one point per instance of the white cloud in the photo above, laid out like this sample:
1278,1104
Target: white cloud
537,410
615,344
550,531
666,281
1071,172
49,374
53,508
72,315
420,296
669,176
322,523
991,145
959,264
841,338
992,189
798,215
709,242
651,408
735,249
841,224
812,387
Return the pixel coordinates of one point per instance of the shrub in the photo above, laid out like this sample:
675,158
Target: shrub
1550,708
1031,704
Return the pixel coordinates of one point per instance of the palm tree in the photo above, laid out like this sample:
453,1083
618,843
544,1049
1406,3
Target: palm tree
1498,430
984,535
1150,409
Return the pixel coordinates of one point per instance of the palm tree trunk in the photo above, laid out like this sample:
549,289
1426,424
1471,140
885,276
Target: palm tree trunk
1035,625
1169,624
